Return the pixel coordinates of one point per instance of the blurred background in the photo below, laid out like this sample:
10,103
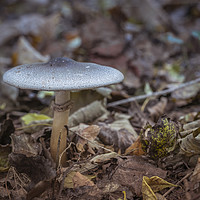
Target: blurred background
155,43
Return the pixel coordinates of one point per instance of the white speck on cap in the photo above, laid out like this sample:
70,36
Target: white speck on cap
62,74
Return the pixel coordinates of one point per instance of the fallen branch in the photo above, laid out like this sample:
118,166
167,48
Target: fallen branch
163,92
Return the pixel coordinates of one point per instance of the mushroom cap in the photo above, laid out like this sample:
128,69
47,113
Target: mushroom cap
62,74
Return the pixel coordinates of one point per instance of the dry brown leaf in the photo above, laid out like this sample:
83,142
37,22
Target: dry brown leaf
94,162
135,148
27,54
88,133
76,179
87,114
138,118
186,93
33,24
84,98
190,145
81,180
130,172
121,121
120,139
24,144
148,11
191,125
92,32
157,110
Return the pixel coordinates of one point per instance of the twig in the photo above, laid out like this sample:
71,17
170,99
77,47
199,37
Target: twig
171,189
60,156
116,103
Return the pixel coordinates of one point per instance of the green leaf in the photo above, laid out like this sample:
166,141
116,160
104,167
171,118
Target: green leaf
34,117
173,72
43,94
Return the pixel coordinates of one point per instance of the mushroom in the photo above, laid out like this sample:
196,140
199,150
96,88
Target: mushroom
61,75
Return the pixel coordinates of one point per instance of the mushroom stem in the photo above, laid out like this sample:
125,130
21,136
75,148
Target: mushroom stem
59,133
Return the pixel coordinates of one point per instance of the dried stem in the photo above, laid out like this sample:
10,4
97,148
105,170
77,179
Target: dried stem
116,103
58,141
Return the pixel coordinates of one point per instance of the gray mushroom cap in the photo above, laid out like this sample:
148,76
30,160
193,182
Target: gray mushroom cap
62,74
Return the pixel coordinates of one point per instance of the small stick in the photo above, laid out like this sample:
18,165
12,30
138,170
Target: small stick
154,93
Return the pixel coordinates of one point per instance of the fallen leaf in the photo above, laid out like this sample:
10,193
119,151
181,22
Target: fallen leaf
149,12
158,109
130,171
94,162
138,118
121,121
33,122
87,114
153,184
191,125
190,145
186,93
93,33
83,98
27,54
135,148
34,117
103,157
76,179
26,145
33,24
119,139
88,133
172,72
109,50
81,180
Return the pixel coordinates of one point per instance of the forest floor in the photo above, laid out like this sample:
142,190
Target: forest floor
122,148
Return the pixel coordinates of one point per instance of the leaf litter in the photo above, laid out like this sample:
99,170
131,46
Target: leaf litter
112,152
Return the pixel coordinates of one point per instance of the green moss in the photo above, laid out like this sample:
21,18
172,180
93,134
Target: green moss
158,141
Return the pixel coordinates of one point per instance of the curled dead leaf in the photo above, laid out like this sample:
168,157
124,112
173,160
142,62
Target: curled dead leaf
24,144
86,135
119,139
190,145
158,109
